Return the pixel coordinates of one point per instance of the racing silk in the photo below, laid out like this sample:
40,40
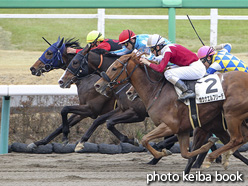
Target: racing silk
140,45
176,54
223,61
107,44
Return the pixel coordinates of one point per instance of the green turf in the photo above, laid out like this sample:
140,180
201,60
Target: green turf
25,34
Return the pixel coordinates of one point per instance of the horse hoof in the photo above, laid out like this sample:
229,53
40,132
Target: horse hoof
79,147
213,139
206,164
136,142
166,152
225,165
31,146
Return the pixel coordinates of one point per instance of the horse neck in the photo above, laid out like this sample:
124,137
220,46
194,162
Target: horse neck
144,87
94,61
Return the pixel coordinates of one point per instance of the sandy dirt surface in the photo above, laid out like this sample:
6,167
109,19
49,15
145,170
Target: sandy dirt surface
102,169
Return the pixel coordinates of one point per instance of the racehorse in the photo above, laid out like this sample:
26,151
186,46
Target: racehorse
91,103
171,116
126,112
201,135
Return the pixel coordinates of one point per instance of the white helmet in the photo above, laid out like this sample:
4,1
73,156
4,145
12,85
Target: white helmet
155,40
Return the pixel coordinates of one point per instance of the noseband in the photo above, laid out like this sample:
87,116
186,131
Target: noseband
112,83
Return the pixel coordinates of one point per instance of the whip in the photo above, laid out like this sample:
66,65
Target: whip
195,31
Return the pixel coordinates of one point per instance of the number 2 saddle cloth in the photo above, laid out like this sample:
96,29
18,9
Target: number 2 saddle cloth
207,89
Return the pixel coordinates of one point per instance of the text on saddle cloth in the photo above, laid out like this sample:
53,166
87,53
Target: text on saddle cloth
207,89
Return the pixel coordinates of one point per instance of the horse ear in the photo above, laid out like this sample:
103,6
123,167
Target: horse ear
60,43
58,39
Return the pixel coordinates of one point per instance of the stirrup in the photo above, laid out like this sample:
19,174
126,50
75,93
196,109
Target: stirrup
186,95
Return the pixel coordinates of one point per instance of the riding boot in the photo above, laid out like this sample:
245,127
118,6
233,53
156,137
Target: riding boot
186,93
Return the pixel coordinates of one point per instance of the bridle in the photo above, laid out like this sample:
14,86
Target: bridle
112,83
80,72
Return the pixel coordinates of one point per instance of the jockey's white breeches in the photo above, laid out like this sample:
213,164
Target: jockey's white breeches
195,70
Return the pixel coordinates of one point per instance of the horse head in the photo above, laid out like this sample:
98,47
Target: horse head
77,69
54,57
118,73
132,94
84,63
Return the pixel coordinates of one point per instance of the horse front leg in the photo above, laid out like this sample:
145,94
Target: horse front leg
161,130
167,143
82,110
183,139
99,121
199,138
73,120
128,116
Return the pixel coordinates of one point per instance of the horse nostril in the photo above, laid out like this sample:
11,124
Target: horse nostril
33,71
60,82
97,86
129,93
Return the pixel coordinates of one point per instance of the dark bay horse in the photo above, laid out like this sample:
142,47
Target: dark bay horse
91,103
126,112
171,116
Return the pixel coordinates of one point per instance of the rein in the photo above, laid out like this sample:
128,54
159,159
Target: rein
156,96
147,74
101,60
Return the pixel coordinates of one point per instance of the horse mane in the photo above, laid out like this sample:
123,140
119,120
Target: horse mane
73,43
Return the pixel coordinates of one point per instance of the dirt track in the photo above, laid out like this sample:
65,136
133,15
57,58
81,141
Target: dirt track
100,169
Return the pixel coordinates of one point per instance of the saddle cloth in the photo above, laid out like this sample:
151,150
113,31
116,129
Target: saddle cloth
207,89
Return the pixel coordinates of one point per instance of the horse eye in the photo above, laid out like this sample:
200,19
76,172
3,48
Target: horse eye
49,53
114,69
75,62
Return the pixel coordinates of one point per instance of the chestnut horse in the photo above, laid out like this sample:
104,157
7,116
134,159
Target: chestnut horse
91,103
171,116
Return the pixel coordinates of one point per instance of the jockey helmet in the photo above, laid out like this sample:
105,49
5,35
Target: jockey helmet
155,40
126,35
94,36
205,51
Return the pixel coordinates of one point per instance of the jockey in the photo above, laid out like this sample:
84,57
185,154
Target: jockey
218,58
189,65
97,41
130,41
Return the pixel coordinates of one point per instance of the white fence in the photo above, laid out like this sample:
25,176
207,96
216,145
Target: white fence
33,90
101,16
23,90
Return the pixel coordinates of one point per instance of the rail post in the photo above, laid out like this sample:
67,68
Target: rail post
5,125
